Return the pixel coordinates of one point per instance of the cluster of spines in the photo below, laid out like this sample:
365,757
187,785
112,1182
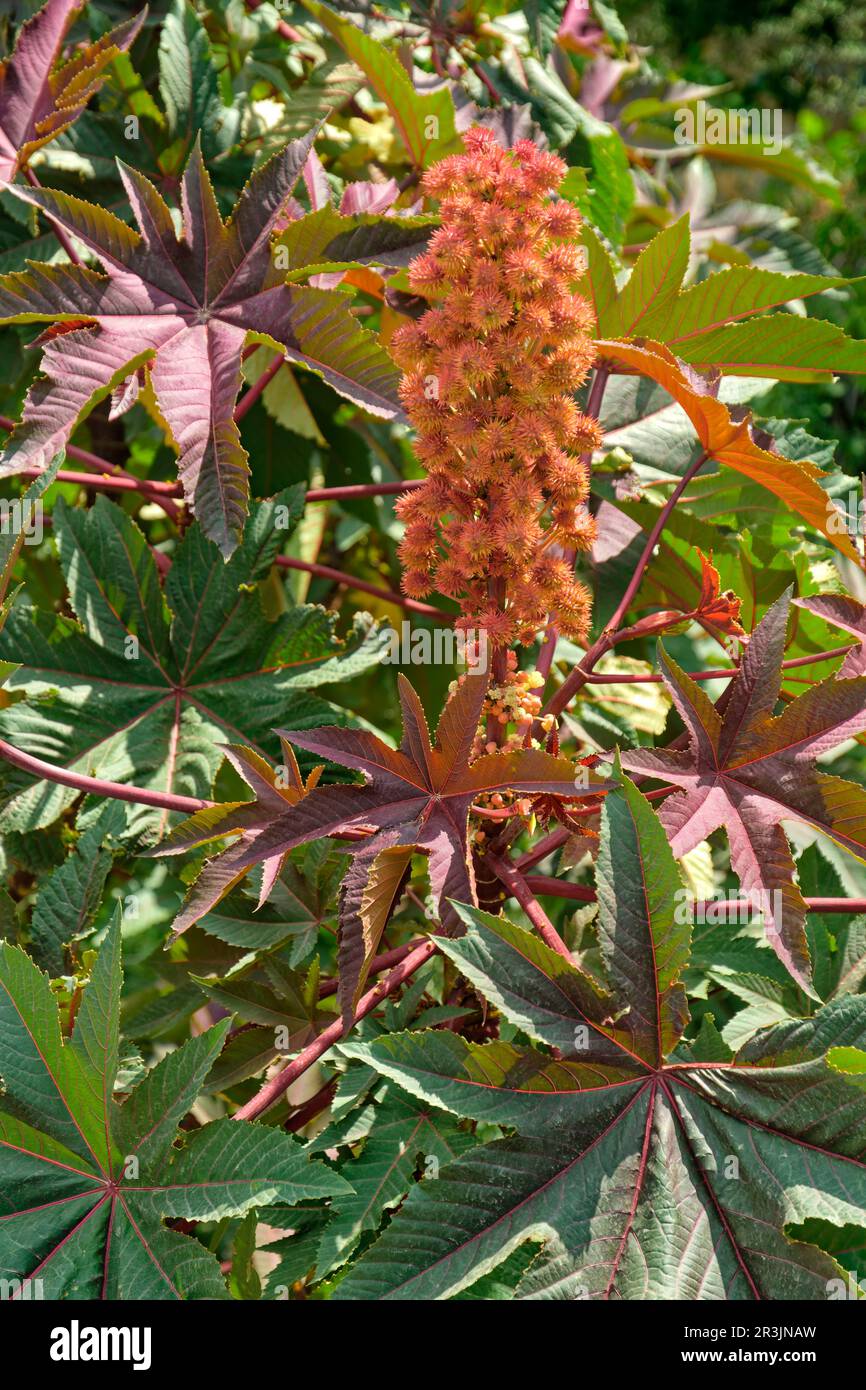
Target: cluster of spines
489,375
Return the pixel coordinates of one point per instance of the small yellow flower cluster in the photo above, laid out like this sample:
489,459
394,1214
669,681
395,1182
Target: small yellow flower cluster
489,375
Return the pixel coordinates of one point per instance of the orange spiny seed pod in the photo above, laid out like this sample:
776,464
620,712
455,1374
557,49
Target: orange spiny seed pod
489,372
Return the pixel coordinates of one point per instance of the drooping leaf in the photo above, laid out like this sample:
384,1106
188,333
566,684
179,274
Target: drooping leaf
87,1182
186,307
732,442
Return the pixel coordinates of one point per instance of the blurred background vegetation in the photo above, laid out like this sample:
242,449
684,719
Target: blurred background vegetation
809,58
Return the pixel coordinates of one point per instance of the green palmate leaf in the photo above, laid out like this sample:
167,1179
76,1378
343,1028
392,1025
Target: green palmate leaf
275,997
245,1280
424,120
297,1252
609,196
837,944
86,1182
706,324
644,940
36,103
22,521
731,296
302,899
599,283
185,307
400,1135
638,1175
783,346
551,104
652,287
189,83
247,1054
146,685
544,17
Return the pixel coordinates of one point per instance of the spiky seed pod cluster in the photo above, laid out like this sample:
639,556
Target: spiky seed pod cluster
489,372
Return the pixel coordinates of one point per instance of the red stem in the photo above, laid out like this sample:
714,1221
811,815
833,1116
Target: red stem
720,910
161,492
121,481
283,29
339,577
312,1107
582,672
58,231
324,494
109,484
386,961
273,1089
558,888
249,398
518,888
722,673
653,539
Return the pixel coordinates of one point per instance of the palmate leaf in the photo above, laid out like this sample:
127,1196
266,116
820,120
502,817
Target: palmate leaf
749,771
400,1134
186,307
189,84
714,325
86,1181
730,441
147,684
640,1176
415,798
37,101
302,899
